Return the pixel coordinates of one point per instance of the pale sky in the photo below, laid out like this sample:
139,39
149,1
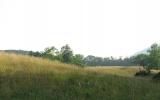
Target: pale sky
96,27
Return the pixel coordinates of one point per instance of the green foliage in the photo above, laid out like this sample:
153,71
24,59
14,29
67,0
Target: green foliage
78,59
108,61
50,50
67,54
154,56
50,53
35,54
74,86
141,59
64,55
151,60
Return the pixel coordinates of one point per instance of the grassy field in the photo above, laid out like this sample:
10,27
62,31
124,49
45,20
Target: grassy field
29,78
115,70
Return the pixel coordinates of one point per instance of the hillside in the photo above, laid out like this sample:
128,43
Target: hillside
22,52
30,78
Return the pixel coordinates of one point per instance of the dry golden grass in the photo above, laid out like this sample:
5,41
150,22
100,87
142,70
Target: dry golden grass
12,63
116,70
30,78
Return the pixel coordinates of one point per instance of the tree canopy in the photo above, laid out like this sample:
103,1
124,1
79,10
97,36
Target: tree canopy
151,59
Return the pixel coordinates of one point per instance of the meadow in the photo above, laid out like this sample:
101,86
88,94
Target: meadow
116,70
30,78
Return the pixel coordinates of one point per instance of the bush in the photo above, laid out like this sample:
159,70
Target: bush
142,73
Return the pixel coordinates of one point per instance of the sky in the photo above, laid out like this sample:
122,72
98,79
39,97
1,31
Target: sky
91,27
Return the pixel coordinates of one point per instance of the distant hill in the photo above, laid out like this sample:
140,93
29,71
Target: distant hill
142,51
23,52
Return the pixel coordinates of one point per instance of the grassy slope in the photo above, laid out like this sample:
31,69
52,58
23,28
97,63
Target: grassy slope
29,78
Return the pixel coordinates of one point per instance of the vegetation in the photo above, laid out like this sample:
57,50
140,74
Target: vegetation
66,55
150,60
30,78
142,73
115,70
108,61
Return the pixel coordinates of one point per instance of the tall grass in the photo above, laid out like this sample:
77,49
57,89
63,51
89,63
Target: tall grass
116,70
12,63
29,78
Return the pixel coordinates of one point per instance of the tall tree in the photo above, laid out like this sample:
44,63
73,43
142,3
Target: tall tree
78,59
50,52
141,60
154,56
66,53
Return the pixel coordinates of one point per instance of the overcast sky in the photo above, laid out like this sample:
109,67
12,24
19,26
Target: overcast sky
97,27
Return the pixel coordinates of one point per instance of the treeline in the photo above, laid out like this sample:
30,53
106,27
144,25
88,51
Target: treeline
66,55
149,60
108,61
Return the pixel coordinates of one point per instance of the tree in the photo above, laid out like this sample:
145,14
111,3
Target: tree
151,60
89,60
154,56
66,53
98,61
78,59
108,61
141,60
35,54
50,52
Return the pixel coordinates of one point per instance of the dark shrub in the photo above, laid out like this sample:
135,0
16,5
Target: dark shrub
142,73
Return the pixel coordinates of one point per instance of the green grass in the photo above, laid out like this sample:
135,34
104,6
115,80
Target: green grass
29,78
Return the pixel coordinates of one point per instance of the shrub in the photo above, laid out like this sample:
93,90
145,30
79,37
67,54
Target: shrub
142,73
